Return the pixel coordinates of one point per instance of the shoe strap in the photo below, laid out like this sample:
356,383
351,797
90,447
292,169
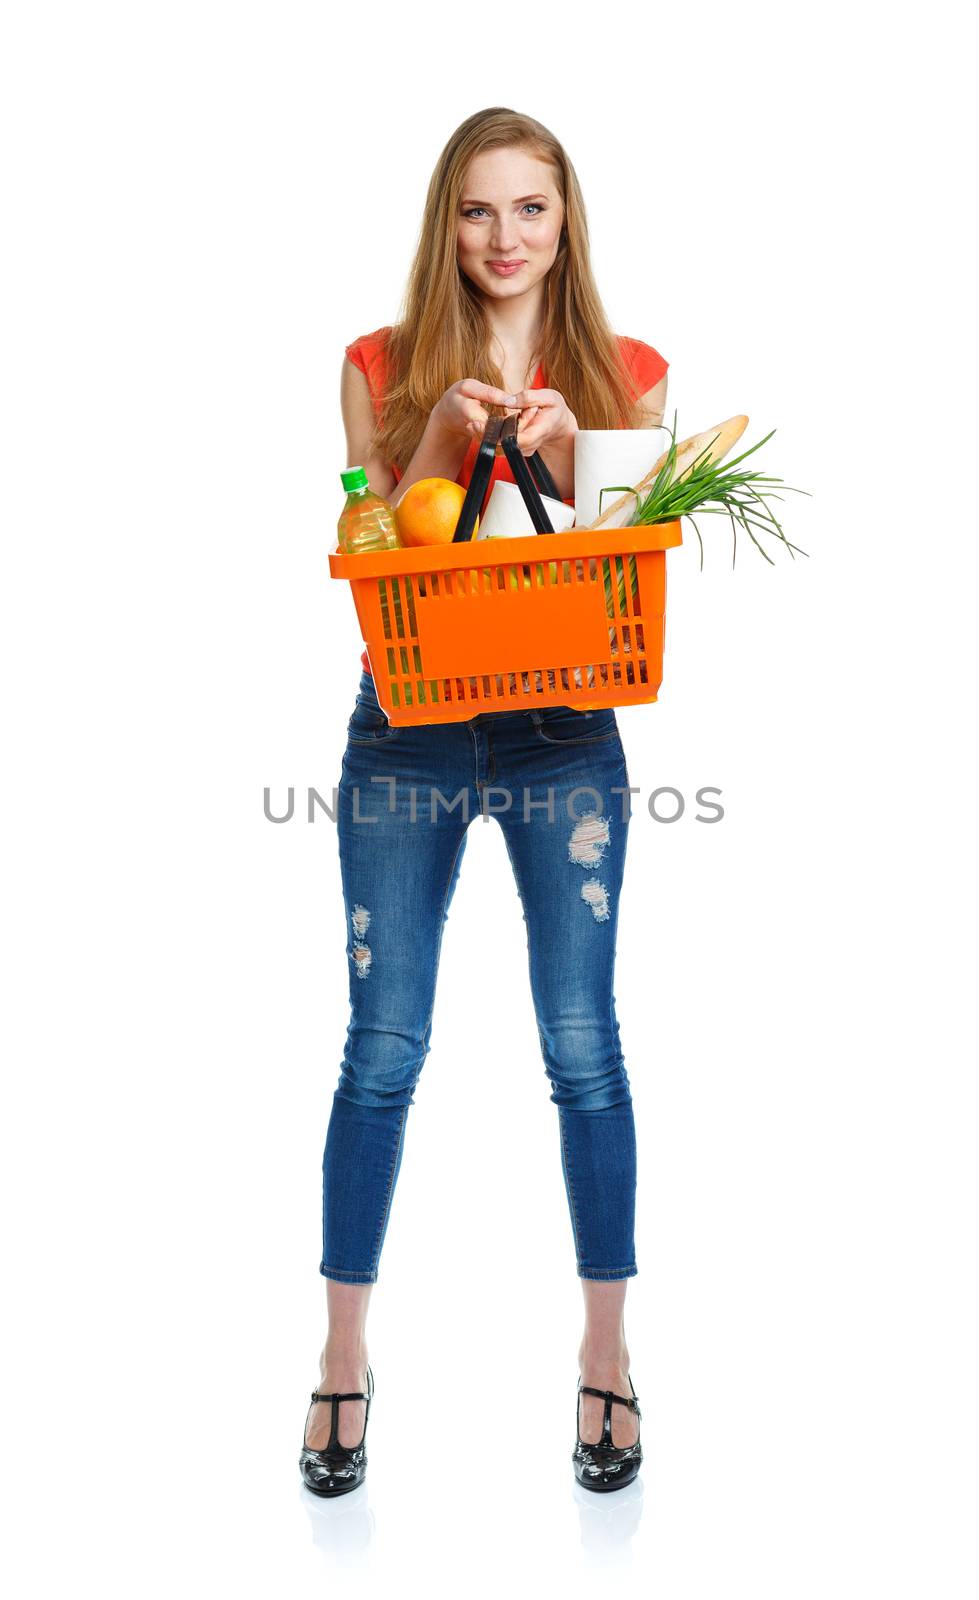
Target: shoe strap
606,1394
334,1440
610,1399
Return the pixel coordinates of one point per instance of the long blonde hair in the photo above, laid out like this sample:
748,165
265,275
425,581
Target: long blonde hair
443,335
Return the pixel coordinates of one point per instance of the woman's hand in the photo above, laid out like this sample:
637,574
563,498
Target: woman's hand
546,424
462,409
545,419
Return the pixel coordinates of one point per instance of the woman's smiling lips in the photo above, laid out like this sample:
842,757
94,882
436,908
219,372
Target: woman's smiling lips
506,269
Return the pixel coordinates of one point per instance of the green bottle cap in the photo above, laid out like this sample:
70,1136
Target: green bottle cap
354,478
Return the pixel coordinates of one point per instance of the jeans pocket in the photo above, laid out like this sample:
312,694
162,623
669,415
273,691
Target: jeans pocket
368,724
566,725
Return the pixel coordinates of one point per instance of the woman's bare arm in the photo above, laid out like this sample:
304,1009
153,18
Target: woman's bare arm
440,453
653,404
358,422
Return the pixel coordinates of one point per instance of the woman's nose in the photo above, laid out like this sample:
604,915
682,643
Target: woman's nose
504,236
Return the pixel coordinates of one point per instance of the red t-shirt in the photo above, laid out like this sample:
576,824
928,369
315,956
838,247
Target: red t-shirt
644,365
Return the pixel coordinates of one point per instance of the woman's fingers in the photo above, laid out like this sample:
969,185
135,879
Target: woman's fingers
474,390
539,410
476,421
534,397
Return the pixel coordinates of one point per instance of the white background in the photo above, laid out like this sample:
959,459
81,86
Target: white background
204,203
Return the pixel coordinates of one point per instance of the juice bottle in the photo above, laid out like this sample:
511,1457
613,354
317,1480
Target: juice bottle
366,522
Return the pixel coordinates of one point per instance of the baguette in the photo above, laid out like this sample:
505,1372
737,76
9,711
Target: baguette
720,439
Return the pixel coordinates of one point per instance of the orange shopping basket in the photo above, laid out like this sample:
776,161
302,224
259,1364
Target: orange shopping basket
574,619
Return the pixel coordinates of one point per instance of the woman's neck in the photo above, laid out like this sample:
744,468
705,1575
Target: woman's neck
516,324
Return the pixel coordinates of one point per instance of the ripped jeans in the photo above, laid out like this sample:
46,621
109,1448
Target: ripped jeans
401,841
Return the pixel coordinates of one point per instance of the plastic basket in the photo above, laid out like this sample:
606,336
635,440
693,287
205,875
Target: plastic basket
574,619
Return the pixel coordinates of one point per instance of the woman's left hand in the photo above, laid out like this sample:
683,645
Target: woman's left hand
544,418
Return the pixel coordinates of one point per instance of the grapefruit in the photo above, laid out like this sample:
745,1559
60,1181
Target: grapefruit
428,512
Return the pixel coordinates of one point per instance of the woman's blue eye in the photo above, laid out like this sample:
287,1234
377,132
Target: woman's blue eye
531,205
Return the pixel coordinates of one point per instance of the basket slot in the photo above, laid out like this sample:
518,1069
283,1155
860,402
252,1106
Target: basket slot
416,691
397,608
396,599
620,577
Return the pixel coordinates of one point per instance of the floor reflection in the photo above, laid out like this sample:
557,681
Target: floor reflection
609,1522
342,1526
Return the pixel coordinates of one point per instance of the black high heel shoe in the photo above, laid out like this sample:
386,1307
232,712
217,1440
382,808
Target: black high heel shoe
339,1468
605,1466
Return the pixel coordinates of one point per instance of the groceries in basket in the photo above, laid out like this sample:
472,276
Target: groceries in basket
428,511
508,623
367,523
611,455
688,477
456,629
506,515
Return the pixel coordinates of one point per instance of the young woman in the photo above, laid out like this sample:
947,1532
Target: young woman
501,312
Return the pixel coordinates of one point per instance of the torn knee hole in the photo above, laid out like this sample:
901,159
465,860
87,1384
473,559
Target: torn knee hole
588,840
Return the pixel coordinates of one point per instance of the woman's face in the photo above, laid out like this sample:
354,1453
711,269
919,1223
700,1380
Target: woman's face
510,211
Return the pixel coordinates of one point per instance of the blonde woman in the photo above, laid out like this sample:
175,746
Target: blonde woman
501,312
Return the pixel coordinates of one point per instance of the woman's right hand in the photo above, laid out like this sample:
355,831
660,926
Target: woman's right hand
462,409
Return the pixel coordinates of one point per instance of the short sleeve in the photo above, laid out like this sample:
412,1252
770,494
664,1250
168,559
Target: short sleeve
357,353
369,353
645,365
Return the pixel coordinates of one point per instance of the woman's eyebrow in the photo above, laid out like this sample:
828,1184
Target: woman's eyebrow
518,202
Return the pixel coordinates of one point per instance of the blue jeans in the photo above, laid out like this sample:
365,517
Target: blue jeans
406,798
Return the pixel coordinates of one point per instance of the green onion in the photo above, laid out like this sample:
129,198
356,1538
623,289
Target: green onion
715,488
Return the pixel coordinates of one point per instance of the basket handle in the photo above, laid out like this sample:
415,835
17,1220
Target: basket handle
500,430
524,477
542,477
479,481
